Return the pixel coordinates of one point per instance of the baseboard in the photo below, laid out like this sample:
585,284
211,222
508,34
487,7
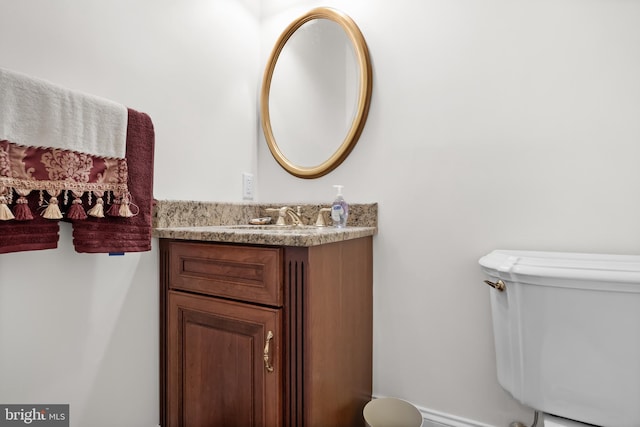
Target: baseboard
432,418
440,419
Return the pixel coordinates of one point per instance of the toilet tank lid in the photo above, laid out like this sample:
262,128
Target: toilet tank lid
528,265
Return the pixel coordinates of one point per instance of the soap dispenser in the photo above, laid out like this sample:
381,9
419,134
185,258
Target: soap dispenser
339,209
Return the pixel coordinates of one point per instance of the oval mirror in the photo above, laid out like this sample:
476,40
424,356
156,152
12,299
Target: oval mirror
316,92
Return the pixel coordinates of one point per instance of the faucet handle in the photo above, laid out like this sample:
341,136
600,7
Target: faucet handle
320,222
282,212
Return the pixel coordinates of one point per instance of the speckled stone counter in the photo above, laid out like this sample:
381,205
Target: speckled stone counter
228,222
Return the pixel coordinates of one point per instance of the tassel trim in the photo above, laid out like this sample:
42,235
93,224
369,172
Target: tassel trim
76,211
116,205
52,211
5,212
97,211
21,209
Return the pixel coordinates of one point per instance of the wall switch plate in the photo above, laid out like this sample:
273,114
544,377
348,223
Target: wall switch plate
247,186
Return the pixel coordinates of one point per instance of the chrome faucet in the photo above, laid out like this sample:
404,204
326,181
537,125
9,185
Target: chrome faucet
283,212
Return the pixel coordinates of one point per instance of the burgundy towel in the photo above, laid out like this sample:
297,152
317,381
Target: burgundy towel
37,234
119,234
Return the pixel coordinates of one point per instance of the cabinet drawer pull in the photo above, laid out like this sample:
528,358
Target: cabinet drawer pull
268,365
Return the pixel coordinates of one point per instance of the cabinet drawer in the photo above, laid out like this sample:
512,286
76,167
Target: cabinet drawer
245,273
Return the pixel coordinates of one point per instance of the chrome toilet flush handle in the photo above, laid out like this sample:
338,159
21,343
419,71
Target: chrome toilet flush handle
499,285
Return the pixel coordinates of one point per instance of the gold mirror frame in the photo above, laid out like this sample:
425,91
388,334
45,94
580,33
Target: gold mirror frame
364,93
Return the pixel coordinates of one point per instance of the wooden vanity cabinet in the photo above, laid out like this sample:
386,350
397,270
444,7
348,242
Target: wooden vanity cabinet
220,304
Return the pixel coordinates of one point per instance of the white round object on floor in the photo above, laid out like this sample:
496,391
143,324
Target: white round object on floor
391,412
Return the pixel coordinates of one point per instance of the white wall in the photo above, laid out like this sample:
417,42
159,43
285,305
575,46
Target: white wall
493,124
83,329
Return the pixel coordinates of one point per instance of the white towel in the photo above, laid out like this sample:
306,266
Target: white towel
37,113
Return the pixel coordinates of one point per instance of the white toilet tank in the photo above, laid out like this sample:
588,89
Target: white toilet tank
567,333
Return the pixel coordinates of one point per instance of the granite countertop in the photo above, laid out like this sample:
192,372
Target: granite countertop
229,222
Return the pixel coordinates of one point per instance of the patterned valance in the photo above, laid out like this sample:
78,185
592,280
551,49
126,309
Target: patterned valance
88,181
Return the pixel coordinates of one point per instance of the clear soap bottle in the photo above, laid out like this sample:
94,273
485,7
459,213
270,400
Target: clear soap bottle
339,209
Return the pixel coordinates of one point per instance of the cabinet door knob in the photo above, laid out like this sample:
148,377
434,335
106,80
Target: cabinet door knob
268,365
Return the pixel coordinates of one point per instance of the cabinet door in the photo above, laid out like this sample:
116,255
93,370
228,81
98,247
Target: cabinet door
224,363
